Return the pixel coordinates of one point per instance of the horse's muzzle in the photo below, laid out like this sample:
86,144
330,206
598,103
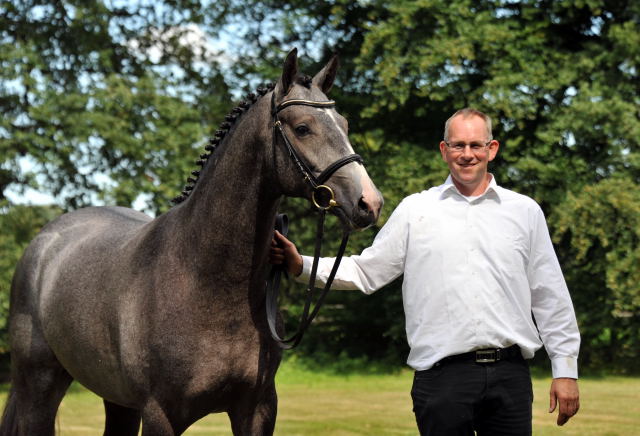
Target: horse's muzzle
366,213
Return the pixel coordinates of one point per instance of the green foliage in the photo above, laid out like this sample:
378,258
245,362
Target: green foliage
559,79
599,230
104,101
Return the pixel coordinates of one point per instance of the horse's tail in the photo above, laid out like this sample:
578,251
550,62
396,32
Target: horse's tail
9,424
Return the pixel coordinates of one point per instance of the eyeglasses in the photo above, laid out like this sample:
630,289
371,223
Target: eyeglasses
475,147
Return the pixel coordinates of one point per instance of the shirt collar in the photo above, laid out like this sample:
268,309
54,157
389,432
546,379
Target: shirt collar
492,191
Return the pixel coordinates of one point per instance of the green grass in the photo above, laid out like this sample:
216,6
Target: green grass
379,404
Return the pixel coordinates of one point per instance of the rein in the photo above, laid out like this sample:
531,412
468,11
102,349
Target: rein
323,199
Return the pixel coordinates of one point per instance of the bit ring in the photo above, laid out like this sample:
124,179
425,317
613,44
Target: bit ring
332,201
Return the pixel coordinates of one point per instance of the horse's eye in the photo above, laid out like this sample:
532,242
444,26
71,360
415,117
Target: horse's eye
302,130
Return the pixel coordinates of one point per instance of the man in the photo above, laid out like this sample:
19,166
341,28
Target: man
478,268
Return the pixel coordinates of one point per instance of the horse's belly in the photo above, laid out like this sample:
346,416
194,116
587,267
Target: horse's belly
85,346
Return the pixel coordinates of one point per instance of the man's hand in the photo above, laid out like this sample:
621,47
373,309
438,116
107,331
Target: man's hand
564,393
284,251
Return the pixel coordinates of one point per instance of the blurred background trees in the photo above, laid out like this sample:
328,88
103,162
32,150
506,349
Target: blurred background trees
106,102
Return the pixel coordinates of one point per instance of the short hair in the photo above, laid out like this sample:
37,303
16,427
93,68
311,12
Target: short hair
468,113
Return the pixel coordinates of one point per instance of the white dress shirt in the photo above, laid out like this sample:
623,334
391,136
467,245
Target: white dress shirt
474,271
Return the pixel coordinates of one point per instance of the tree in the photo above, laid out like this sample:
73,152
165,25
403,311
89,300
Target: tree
599,232
105,101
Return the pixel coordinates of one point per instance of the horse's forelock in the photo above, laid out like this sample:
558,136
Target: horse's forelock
304,80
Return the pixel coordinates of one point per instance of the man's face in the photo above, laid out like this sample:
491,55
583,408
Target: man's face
468,166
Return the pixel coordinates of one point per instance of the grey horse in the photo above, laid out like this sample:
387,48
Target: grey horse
165,318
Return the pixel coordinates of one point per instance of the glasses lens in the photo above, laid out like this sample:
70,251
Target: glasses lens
474,146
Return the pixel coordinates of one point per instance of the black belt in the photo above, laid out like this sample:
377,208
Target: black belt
486,355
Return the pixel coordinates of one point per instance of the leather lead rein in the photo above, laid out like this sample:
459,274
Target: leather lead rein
273,285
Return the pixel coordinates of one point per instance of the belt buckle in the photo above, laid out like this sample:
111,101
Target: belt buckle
487,356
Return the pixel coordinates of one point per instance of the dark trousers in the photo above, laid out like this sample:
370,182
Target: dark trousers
460,397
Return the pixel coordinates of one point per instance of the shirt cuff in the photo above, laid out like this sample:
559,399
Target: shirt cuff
564,367
307,263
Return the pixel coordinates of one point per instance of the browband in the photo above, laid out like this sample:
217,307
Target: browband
320,104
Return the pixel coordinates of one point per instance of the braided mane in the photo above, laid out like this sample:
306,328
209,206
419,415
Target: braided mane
219,135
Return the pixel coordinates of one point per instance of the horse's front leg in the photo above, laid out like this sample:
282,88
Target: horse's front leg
120,421
255,418
155,421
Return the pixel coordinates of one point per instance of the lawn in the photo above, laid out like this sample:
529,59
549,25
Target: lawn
349,405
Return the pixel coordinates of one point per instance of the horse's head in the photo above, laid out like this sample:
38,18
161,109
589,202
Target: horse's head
314,156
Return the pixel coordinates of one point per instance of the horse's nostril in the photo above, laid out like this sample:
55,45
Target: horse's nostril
363,206
363,214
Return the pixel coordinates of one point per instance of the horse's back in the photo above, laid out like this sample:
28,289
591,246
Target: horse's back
93,222
83,234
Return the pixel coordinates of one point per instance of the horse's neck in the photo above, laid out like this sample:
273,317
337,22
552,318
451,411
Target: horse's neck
226,224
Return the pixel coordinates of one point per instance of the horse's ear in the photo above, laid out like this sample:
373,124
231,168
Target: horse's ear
324,79
289,72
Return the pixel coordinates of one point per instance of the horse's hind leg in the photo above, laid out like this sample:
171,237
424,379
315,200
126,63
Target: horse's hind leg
38,380
120,421
33,401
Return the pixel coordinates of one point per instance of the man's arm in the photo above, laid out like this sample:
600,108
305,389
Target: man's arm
553,310
376,266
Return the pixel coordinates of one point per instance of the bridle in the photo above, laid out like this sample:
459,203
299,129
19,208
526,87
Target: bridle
323,198
316,183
